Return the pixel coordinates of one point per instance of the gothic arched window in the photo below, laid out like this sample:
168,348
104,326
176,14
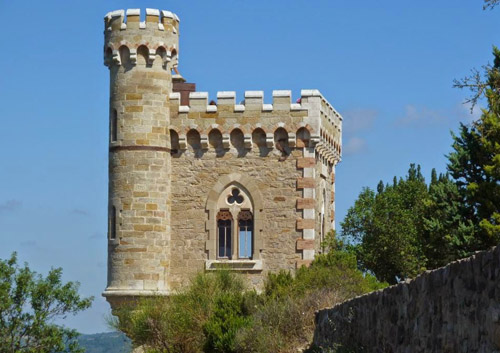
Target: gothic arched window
235,234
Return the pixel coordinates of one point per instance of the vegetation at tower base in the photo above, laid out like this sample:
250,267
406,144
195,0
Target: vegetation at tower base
217,314
29,304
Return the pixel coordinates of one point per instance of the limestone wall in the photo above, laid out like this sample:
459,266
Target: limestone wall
452,309
140,57
268,149
192,181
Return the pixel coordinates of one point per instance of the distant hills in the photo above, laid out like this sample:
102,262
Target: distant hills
107,342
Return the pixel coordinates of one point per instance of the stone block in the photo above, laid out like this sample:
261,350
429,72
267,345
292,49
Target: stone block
300,263
134,109
143,227
305,244
133,96
305,183
305,223
306,162
305,203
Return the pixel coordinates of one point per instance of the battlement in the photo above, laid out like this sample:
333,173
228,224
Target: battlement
127,37
254,101
160,20
311,111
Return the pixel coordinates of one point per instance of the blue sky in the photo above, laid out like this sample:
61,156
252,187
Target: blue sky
386,66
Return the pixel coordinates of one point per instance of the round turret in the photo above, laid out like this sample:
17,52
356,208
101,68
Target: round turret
140,56
153,41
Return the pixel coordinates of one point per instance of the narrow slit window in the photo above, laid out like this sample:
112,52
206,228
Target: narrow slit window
114,126
112,223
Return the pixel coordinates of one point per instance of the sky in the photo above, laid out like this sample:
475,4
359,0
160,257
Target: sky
386,66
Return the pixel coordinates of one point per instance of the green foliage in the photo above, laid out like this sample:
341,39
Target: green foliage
217,314
490,4
408,226
284,320
108,342
447,234
183,321
475,161
227,318
386,225
29,304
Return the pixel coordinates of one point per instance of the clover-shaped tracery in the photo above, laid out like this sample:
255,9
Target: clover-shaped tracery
235,197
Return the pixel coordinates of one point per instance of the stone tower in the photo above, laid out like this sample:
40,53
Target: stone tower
196,184
140,56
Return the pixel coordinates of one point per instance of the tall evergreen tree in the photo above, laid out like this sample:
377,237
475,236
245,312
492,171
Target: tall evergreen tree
446,235
475,160
386,227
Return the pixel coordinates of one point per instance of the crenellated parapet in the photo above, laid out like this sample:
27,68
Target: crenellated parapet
127,38
311,119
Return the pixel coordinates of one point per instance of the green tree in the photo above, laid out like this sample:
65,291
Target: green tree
386,226
29,304
407,227
447,235
490,4
475,160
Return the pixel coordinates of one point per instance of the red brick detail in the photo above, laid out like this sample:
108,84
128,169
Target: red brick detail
301,263
333,178
184,89
333,196
305,204
332,215
305,183
305,244
306,162
305,224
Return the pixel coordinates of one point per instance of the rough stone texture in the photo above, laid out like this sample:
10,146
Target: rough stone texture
169,164
139,158
452,309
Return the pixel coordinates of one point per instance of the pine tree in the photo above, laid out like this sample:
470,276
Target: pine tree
475,160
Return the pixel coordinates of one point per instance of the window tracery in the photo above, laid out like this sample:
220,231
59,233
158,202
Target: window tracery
235,240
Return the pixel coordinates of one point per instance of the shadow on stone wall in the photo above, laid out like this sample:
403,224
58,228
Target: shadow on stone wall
452,309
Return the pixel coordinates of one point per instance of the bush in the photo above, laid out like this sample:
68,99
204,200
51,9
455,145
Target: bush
217,315
189,321
284,320
227,318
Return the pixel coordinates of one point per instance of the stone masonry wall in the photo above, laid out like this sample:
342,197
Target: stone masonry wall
452,309
197,168
194,178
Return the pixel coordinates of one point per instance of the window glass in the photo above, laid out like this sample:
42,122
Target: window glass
245,240
224,238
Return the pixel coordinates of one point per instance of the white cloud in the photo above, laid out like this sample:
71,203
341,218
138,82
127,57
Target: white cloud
97,236
466,114
10,205
421,117
79,212
354,145
358,119
29,244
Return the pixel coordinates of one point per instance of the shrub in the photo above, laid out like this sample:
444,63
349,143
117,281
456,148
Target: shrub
215,314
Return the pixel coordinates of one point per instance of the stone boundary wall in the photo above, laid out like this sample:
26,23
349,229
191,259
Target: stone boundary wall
452,309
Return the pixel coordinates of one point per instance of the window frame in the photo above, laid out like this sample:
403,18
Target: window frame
216,202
